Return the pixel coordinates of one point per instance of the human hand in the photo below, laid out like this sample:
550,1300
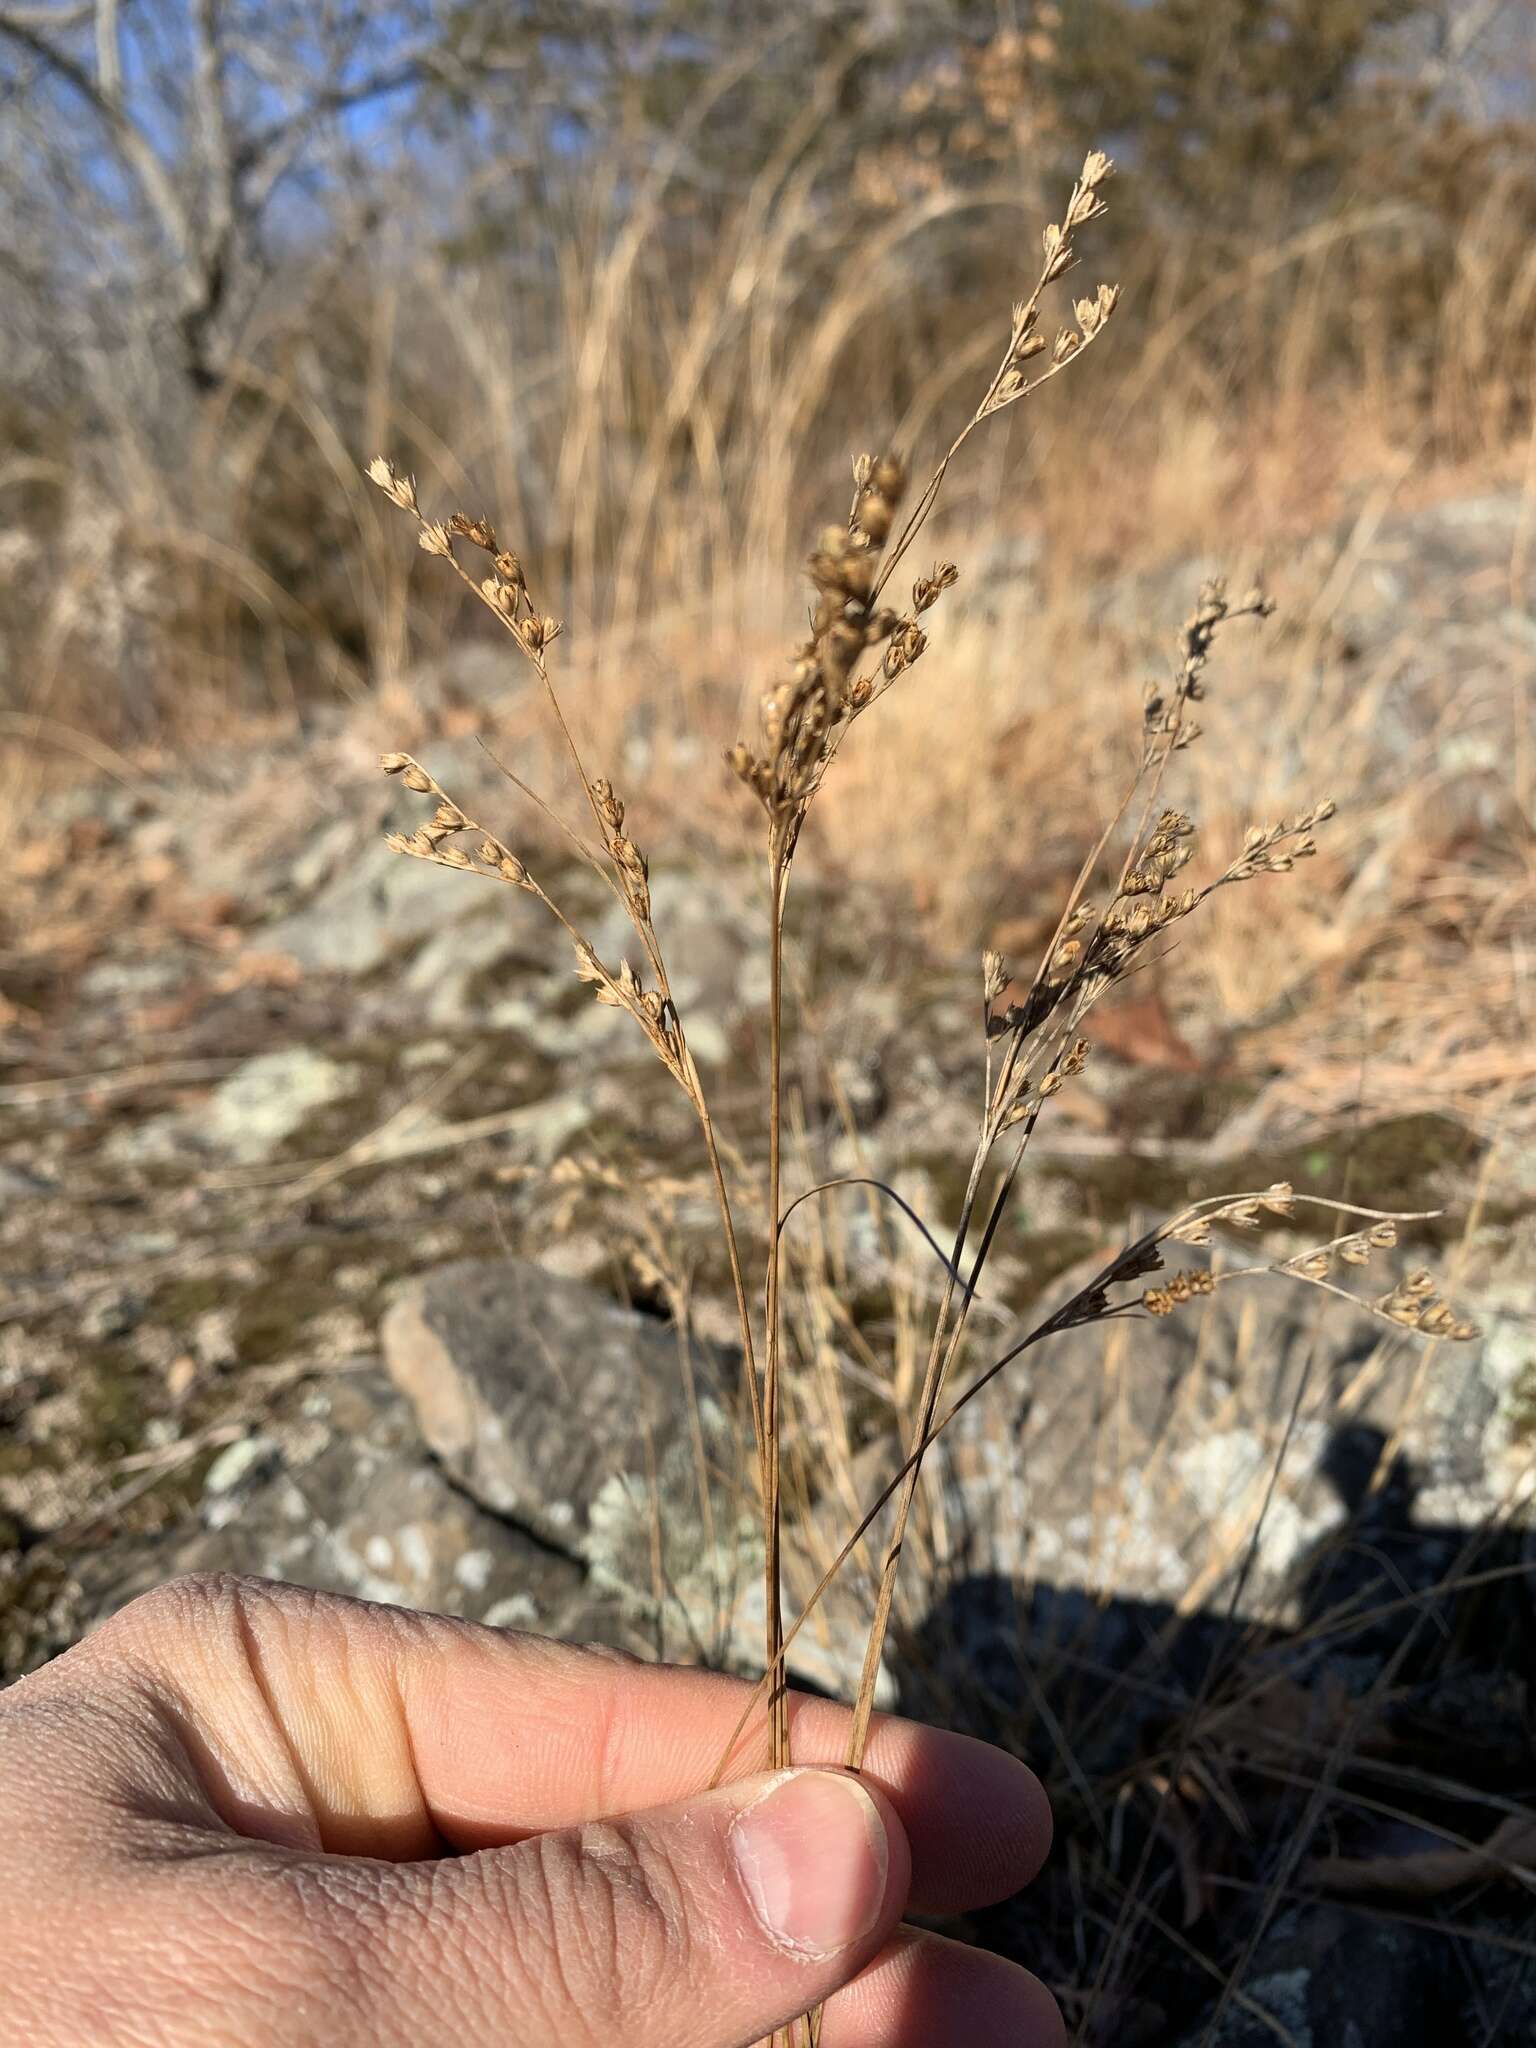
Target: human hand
244,1813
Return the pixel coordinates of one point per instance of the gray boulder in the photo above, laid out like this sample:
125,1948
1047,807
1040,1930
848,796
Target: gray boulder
377,907
344,1499
537,1392
1137,1457
594,1428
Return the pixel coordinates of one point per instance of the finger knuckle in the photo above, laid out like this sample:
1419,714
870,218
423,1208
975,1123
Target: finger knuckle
195,1603
228,1615
611,1911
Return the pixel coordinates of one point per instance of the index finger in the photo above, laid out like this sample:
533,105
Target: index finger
593,1734
390,1728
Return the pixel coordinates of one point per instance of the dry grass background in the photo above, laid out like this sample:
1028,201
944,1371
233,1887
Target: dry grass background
659,430
654,379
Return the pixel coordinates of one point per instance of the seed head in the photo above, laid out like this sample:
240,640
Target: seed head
399,489
1096,168
480,531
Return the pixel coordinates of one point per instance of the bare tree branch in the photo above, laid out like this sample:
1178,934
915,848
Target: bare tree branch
134,149
109,54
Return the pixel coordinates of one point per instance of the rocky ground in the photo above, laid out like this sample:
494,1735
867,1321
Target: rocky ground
343,1239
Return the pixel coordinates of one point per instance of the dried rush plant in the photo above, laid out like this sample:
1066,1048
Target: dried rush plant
859,647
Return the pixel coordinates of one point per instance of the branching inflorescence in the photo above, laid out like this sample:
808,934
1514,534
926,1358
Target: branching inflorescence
858,647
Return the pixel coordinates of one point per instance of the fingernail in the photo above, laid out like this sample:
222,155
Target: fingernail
811,1855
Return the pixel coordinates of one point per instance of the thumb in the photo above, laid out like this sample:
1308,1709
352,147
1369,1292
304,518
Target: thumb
700,1925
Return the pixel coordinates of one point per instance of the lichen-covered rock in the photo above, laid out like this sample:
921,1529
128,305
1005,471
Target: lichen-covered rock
373,909
1177,1459
268,1098
537,1392
595,1428
345,1499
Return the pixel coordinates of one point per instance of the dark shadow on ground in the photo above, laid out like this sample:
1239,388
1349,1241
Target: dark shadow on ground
1203,1768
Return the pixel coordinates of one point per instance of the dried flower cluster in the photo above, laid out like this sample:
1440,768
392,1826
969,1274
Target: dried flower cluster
1355,1248
1093,950
1026,342
1414,1304
504,592
806,710
1417,1304
1163,721
1182,1287
1244,1212
619,988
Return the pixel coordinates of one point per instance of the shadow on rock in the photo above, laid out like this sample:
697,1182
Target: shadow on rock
1271,1833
